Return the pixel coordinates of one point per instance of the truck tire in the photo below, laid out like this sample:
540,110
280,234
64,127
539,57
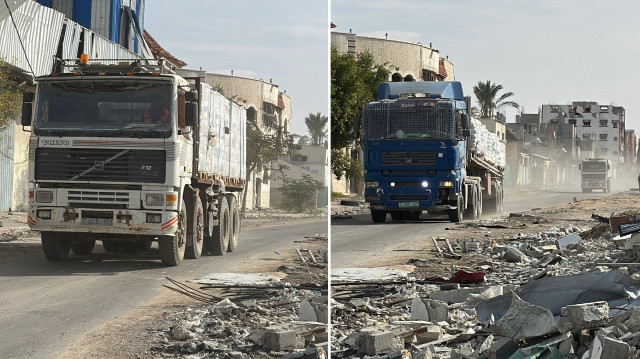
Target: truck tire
396,216
472,209
172,248
196,233
218,244
111,246
494,205
234,222
378,216
456,215
54,246
83,248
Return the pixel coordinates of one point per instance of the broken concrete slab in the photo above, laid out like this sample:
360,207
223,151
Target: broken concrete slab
583,316
502,347
371,274
429,310
524,320
257,279
604,347
513,255
283,336
313,312
376,341
572,238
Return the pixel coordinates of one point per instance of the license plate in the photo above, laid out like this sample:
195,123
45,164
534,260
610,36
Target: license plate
409,204
97,221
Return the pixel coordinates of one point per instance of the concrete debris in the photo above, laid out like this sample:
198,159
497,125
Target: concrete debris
281,320
562,293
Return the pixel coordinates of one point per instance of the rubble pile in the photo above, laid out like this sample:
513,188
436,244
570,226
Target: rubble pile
561,293
261,319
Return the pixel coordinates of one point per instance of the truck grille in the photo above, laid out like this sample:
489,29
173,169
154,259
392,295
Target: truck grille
98,199
66,164
408,158
593,176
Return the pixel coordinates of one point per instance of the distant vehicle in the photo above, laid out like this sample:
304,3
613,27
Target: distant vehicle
422,152
595,174
132,153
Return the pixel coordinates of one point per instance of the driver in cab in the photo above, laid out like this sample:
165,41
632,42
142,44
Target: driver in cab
157,113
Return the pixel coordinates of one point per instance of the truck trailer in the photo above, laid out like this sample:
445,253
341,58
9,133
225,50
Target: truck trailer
129,153
422,152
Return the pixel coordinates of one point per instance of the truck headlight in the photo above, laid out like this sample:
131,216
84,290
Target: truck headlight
392,184
446,184
44,214
373,184
425,184
44,196
155,199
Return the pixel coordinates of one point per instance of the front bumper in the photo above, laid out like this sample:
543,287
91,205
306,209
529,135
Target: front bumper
594,184
103,221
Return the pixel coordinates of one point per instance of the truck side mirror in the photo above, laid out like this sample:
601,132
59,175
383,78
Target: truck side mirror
466,132
27,108
464,120
191,113
580,167
191,96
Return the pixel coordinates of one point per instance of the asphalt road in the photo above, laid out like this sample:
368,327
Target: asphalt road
45,306
357,242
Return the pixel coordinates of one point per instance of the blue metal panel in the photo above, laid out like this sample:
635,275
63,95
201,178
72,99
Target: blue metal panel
7,142
82,12
114,33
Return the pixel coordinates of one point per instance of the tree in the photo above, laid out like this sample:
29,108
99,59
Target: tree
354,82
263,149
316,125
300,195
486,94
10,95
302,139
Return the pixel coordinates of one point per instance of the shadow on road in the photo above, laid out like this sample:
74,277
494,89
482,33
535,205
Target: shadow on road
363,219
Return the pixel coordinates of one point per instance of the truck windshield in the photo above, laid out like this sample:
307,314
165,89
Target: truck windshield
410,119
110,108
594,167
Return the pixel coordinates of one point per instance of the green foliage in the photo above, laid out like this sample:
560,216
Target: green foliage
300,195
316,125
10,96
343,164
486,94
354,82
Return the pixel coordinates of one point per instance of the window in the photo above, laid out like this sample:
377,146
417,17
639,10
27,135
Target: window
555,109
586,136
615,124
572,121
603,137
615,138
586,123
587,109
604,108
298,158
604,123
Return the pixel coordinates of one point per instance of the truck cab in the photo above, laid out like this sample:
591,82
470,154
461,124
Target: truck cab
595,173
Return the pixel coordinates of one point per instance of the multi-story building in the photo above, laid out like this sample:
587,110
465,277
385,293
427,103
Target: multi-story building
310,160
602,124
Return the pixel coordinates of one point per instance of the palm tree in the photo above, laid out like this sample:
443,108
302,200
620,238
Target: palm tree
316,125
486,94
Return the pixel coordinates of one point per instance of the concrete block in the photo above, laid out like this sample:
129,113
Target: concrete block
313,312
513,255
429,310
567,346
282,337
431,334
572,238
502,348
374,341
456,296
583,316
633,322
608,348
524,320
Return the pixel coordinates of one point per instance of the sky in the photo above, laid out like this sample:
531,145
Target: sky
286,41
545,51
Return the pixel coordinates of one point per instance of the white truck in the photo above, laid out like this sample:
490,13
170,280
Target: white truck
595,174
101,169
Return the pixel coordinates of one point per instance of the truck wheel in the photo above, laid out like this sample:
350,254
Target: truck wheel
55,247
111,246
219,243
499,200
196,234
378,216
456,215
172,248
396,216
83,248
234,222
472,210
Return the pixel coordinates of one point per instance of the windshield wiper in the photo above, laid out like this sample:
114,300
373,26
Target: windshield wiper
96,165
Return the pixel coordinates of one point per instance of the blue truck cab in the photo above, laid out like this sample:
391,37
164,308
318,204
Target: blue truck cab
415,153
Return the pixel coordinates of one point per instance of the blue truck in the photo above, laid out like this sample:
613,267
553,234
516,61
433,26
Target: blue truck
418,157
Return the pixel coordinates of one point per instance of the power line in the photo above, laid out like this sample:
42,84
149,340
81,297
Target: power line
19,38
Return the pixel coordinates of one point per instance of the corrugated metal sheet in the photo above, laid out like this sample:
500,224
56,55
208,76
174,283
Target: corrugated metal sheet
101,17
64,6
13,5
40,29
6,166
71,40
